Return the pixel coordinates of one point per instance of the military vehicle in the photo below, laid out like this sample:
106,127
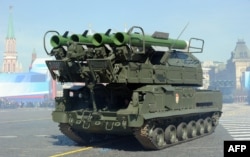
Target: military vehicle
130,83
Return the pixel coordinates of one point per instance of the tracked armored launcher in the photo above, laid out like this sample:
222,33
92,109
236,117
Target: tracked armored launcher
130,83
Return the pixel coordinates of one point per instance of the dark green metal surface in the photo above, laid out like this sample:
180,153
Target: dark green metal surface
58,40
130,85
137,40
81,38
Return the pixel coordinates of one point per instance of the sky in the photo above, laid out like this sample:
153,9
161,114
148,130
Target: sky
220,23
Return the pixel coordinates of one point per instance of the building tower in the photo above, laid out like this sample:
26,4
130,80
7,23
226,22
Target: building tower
230,78
10,63
238,63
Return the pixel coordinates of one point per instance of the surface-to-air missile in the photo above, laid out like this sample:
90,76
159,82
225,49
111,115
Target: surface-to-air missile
134,84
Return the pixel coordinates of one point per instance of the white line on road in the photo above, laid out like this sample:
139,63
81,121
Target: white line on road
25,120
247,136
8,136
42,135
239,132
237,128
242,139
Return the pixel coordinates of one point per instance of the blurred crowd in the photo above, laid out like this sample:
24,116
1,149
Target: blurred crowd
11,104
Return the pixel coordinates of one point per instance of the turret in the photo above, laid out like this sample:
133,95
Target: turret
124,57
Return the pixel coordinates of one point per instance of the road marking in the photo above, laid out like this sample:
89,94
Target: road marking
242,139
239,132
231,127
244,135
42,135
8,136
90,147
72,152
25,120
235,129
236,122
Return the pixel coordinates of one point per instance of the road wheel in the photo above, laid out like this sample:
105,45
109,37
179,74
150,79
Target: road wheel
182,131
170,134
208,125
200,127
191,129
158,137
215,119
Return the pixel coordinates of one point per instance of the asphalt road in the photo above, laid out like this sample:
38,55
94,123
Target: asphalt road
31,133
